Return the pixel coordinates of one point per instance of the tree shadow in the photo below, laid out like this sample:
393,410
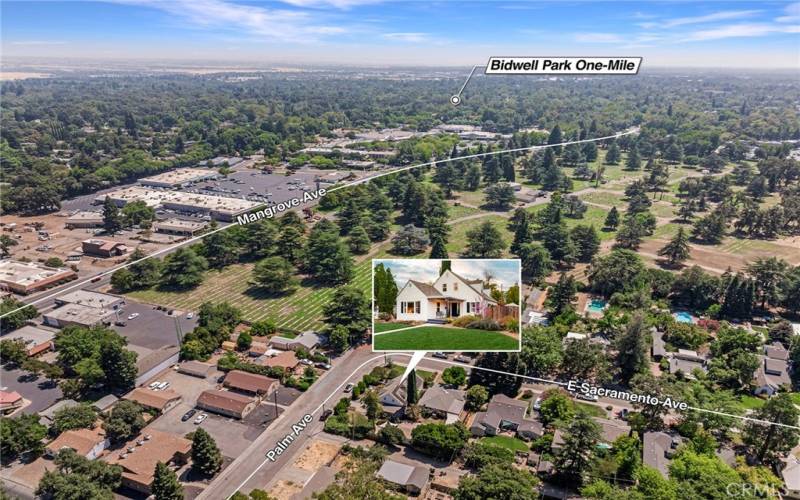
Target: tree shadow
256,292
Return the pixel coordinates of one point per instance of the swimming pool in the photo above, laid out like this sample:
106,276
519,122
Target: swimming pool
596,306
683,317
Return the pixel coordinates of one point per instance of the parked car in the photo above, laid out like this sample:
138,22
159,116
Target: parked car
120,323
307,362
587,397
190,316
323,365
462,359
349,387
623,414
189,414
154,384
325,414
200,418
133,316
163,385
537,405
440,355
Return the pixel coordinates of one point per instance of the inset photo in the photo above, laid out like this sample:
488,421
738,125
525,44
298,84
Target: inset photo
455,305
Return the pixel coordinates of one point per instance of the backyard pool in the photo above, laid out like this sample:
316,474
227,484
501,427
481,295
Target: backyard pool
596,306
683,317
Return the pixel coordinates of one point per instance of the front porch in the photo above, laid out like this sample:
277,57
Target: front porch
442,309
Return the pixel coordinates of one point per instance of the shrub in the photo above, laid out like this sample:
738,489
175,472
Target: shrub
463,321
385,316
511,324
485,324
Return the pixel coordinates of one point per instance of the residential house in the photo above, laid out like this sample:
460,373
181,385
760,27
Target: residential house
46,415
226,403
88,443
657,450
410,478
686,362
393,399
306,340
10,401
506,414
444,403
258,349
450,296
287,360
772,373
251,383
105,403
196,369
37,340
138,458
161,401
610,430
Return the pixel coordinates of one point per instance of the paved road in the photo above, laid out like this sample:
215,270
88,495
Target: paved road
251,469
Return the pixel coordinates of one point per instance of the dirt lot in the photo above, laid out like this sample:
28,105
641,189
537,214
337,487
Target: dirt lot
285,489
317,454
64,241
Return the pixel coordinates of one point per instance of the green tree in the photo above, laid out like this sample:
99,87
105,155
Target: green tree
480,454
206,457
6,242
484,241
327,257
556,406
349,308
124,422
475,397
634,161
358,241
454,375
410,240
73,417
587,242
771,441
221,248
112,219
275,275
372,404
183,269
633,349
500,196
561,295
138,213
118,365
442,441
497,481
555,137
612,219
617,271
577,453
20,435
613,154
244,341
677,250
768,273
535,262
472,178
165,484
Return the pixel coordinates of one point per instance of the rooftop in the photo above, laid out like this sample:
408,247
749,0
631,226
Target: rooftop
148,398
179,176
403,474
440,399
225,400
80,440
89,298
154,198
78,313
249,382
138,458
29,273
286,359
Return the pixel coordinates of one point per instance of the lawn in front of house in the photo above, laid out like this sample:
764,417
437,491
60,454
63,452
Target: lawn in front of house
387,327
508,442
436,338
591,410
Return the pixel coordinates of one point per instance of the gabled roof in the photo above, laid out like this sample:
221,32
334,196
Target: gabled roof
776,351
148,398
427,289
440,399
472,284
655,446
249,382
404,474
80,440
224,400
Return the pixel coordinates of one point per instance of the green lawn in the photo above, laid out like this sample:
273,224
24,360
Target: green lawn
435,338
511,443
592,410
751,402
594,216
387,327
457,241
456,212
302,310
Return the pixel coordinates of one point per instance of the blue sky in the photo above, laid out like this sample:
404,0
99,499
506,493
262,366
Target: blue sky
372,32
503,272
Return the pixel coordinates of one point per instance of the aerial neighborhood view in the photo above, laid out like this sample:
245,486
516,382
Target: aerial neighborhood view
342,249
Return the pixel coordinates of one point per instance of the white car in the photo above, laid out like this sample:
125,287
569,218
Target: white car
133,316
200,418
190,316
154,384
307,362
537,405
163,385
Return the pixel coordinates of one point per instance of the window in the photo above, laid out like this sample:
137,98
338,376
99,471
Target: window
444,287
416,305
455,286
409,308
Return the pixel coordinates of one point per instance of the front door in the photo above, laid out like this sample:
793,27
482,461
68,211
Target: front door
455,310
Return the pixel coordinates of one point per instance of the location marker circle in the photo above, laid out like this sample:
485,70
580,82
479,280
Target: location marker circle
455,100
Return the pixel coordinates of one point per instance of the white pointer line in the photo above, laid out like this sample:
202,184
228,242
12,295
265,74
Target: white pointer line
463,365
359,181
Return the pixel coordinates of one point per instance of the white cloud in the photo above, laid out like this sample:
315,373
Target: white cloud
339,4
276,24
598,38
739,31
792,12
725,15
407,37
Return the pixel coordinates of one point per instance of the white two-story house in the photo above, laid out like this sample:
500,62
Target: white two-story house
450,296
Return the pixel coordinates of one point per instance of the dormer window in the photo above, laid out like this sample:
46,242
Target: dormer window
444,287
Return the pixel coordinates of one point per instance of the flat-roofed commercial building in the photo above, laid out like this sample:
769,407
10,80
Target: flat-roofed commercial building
77,314
36,340
83,220
30,277
179,177
179,227
89,298
216,207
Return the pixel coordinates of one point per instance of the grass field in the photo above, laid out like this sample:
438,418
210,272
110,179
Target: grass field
435,338
387,327
457,212
594,216
511,443
301,310
590,409
458,233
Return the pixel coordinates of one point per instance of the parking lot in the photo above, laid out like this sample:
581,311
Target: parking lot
153,329
285,396
38,390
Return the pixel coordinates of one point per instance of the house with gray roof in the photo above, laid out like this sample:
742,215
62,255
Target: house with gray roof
658,349
506,414
306,340
444,403
657,451
450,296
771,375
393,399
410,478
